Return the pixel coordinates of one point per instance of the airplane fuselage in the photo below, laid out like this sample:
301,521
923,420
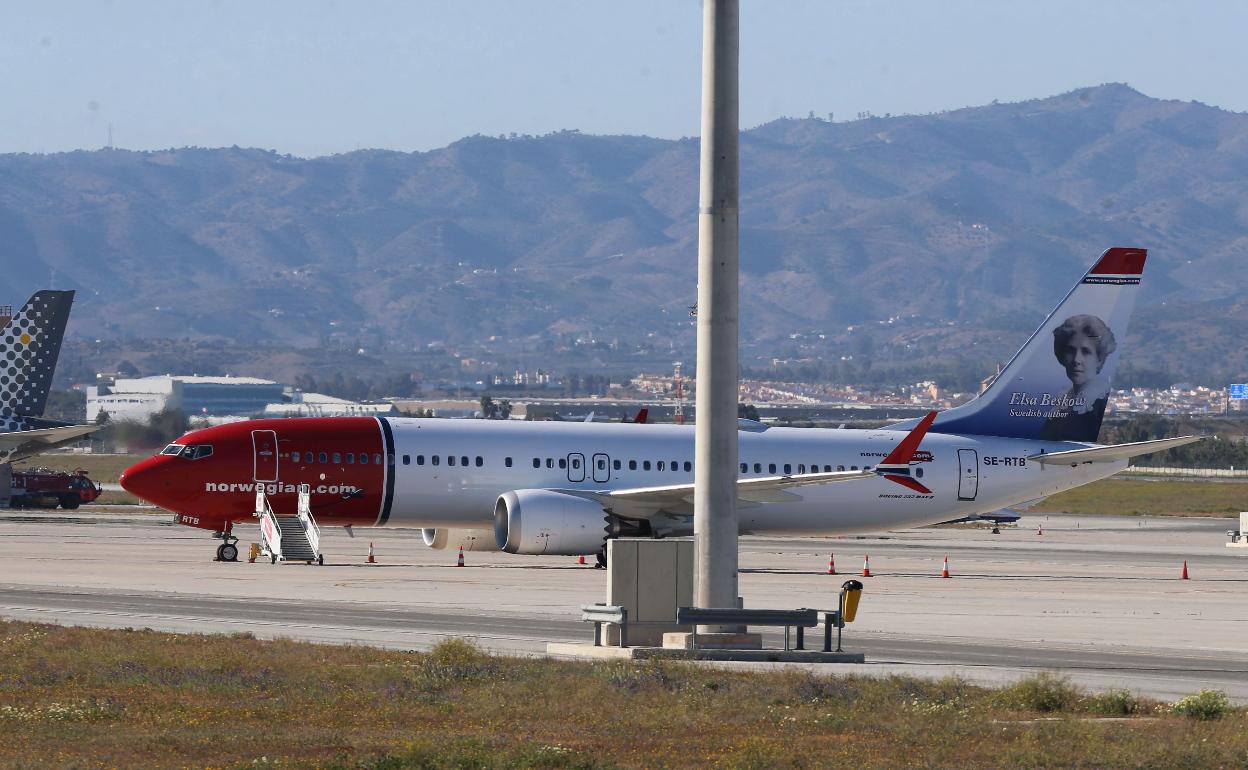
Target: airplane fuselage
436,473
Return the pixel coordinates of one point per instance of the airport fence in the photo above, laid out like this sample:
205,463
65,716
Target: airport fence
1221,473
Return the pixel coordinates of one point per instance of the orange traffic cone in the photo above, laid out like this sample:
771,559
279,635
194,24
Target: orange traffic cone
580,560
371,559
831,564
1184,576
866,565
944,571
460,563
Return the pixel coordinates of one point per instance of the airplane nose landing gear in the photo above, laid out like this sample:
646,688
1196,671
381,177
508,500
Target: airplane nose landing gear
228,550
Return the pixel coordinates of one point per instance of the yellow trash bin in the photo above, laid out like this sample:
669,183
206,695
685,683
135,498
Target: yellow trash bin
852,590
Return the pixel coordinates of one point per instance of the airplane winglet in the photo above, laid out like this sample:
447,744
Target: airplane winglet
896,467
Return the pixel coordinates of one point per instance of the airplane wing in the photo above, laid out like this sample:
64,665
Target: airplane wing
20,444
1109,454
645,502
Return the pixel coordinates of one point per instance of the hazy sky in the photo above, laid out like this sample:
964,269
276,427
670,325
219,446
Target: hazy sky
316,76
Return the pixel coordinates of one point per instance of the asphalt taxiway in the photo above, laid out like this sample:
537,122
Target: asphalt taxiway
1099,599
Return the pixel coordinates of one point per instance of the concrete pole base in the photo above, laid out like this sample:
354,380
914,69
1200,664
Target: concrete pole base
684,640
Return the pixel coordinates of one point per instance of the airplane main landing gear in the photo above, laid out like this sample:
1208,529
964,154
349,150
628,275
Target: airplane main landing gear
602,560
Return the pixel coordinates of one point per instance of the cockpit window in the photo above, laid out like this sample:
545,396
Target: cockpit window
198,451
172,449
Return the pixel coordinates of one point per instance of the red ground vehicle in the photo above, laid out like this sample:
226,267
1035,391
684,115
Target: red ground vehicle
46,488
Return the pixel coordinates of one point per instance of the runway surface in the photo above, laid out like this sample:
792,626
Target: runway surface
1096,598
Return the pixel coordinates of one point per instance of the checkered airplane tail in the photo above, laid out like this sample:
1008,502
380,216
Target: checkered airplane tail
29,347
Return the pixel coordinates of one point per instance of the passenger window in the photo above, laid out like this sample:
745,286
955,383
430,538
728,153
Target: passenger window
351,458
918,472
480,461
407,459
294,457
337,458
507,461
745,468
322,457
363,459
563,463
434,460
550,462
616,463
645,465
659,466
758,467
463,461
801,468
376,458
688,467
537,462
840,468
632,465
771,468
420,459
450,460
853,467
675,466
827,469
788,469
576,463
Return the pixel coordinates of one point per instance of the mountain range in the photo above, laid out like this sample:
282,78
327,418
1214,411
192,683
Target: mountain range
932,234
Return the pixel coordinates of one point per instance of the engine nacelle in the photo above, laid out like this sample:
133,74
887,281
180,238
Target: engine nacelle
538,521
454,539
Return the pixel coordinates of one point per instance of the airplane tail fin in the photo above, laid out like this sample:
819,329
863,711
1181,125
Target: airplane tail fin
1056,387
29,347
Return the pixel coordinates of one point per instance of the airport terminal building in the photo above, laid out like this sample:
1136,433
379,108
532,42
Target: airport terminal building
139,398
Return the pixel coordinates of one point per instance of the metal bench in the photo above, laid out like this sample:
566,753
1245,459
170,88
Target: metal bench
789,619
605,613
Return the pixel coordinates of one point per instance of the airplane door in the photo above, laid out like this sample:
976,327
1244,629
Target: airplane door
576,467
968,474
602,467
264,446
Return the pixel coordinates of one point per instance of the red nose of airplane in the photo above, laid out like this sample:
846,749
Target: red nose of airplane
154,481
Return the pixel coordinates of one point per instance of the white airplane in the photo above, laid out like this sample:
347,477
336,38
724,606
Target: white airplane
565,488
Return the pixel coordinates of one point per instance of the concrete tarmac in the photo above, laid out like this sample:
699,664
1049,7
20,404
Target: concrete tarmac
1098,599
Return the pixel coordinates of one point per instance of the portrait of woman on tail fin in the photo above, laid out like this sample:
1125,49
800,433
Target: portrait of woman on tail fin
1081,344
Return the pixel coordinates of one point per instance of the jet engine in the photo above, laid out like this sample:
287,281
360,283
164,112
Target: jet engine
468,539
538,521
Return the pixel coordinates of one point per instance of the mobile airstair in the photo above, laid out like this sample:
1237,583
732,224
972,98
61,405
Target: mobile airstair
289,537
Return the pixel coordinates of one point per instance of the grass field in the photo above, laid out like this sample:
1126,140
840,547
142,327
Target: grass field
1163,497
74,697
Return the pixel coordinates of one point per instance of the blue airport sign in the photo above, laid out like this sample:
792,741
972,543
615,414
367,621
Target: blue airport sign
1237,392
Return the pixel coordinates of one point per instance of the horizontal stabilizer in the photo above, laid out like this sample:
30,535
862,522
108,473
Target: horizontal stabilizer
1115,453
20,444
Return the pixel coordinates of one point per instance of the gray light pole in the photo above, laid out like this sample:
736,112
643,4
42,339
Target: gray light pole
715,480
